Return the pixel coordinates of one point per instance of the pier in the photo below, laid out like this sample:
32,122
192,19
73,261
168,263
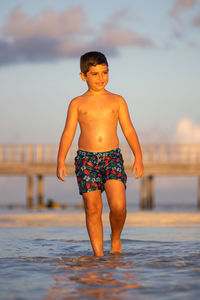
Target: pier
159,159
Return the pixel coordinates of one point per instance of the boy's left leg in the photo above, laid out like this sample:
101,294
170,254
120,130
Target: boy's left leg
115,191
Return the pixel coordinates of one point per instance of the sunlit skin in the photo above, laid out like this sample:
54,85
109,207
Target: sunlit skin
98,111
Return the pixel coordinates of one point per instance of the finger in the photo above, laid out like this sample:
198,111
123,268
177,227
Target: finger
140,173
60,176
134,170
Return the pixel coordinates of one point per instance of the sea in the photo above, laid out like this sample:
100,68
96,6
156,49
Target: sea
50,263
47,263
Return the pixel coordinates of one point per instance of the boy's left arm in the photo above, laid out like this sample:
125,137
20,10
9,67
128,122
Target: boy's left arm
131,137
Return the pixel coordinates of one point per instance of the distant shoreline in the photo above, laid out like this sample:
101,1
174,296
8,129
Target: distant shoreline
77,219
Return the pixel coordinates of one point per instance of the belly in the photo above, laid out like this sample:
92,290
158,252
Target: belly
98,142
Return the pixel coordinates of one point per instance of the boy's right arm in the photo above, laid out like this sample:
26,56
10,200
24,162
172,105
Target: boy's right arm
67,138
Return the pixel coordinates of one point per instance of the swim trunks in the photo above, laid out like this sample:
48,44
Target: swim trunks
93,169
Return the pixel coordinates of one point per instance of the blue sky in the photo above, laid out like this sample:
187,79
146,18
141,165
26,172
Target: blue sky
153,49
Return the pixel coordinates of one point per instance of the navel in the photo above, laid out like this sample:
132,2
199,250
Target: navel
100,139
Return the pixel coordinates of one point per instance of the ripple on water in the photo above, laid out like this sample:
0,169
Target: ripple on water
45,264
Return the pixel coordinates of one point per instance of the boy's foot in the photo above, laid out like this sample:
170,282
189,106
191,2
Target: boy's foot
116,246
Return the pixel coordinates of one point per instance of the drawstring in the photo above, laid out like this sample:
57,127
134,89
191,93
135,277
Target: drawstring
99,157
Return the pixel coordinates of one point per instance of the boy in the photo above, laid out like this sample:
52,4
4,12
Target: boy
99,163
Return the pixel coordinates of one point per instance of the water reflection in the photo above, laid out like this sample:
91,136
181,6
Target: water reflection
88,277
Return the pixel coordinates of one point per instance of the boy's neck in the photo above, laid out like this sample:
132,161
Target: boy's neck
93,92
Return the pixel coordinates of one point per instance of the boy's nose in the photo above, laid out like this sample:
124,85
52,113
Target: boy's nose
100,76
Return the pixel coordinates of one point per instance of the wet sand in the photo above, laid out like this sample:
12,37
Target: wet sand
77,219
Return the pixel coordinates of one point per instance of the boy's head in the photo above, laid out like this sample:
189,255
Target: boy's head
92,59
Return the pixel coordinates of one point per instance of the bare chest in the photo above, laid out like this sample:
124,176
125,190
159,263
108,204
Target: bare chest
97,111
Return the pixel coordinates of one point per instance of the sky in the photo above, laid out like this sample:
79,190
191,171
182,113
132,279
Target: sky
153,50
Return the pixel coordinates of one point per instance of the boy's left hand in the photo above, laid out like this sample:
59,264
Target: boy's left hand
138,169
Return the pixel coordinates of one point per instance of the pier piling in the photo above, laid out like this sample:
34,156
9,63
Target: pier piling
29,191
159,160
198,194
147,192
40,190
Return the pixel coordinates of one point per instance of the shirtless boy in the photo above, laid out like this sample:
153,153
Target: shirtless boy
99,162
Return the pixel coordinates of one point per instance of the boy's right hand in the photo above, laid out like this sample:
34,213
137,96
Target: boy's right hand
61,169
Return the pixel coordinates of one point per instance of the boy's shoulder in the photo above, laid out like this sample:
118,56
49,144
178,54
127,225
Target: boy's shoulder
77,99
115,96
118,98
74,101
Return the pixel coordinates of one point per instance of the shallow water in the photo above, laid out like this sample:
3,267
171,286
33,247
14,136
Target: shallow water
57,263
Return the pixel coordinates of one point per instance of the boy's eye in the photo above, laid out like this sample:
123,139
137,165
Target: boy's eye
94,74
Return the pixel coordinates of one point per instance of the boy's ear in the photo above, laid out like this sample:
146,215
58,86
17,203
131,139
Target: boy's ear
83,76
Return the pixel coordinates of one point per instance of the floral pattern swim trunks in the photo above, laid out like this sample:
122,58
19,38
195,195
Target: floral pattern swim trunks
93,169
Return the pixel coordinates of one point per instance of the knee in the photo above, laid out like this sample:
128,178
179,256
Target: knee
118,211
93,210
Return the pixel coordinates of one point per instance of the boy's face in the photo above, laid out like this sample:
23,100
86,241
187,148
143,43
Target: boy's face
96,77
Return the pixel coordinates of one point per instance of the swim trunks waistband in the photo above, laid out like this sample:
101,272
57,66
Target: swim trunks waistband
88,153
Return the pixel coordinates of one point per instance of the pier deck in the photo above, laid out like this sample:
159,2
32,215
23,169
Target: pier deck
159,159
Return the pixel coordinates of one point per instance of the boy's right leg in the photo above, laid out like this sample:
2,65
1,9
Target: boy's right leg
93,210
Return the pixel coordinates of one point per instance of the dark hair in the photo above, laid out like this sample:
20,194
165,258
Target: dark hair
92,59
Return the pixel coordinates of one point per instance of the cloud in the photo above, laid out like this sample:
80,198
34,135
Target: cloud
181,27
51,35
114,35
49,23
187,131
117,37
44,37
153,135
180,6
196,21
